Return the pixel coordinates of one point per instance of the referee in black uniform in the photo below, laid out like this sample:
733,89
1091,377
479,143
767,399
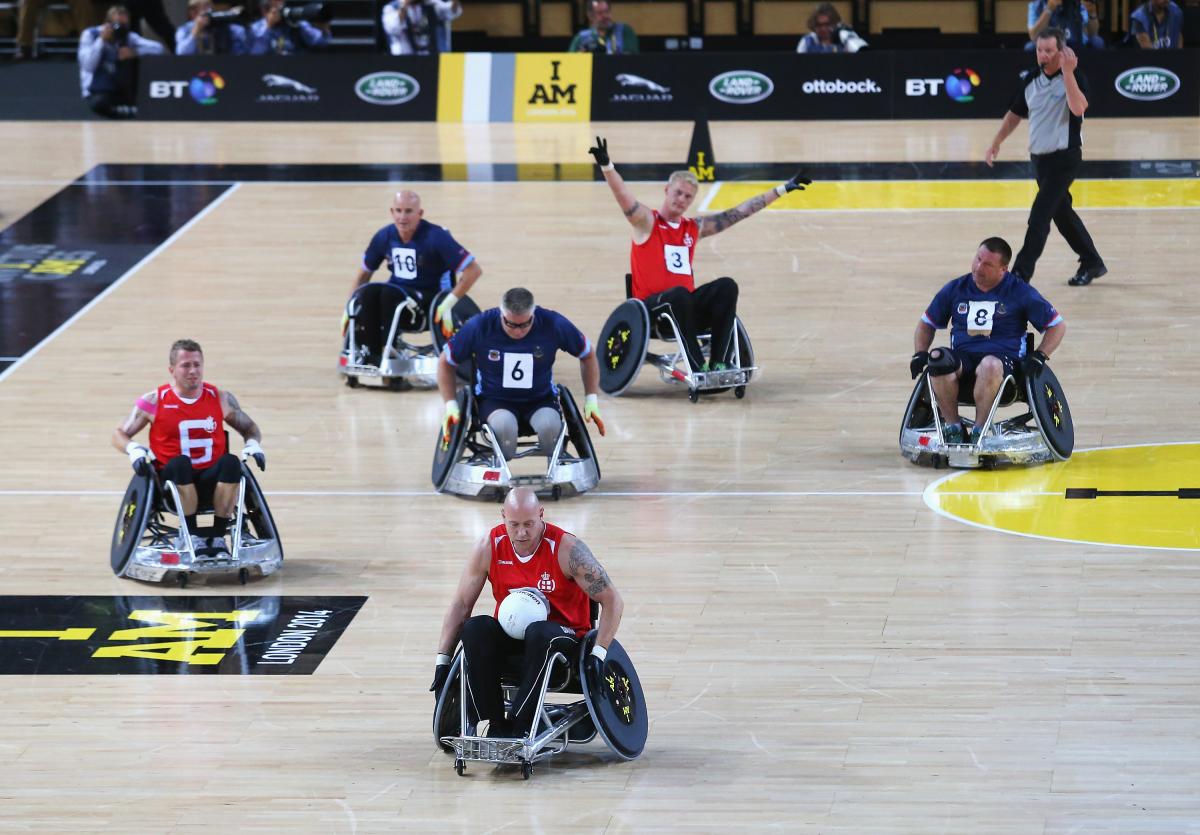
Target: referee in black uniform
1054,98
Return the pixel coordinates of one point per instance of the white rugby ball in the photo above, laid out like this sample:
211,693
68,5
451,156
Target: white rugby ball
521,608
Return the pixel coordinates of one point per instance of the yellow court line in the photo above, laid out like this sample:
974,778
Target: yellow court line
966,194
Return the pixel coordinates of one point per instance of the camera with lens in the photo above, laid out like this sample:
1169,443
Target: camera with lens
850,39
120,33
309,12
229,16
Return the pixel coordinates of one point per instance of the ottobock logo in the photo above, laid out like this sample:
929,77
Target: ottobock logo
387,88
959,85
741,87
638,89
1147,83
837,86
284,90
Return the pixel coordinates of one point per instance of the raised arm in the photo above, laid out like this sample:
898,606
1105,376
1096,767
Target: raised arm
1076,100
577,562
640,217
712,224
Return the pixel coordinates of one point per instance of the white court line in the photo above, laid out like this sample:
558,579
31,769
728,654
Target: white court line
735,494
128,274
708,198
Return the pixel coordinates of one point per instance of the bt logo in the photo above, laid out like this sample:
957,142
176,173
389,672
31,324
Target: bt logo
959,85
203,88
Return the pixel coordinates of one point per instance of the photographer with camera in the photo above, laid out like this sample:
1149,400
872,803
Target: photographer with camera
1070,16
108,64
419,27
283,31
828,33
604,34
210,33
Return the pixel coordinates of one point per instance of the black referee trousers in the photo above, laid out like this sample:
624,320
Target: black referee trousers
1055,172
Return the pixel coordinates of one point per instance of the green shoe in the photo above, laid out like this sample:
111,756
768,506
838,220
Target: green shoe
976,431
720,366
704,368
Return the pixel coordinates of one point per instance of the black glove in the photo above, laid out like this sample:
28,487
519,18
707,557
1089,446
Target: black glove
595,668
440,673
798,182
1033,363
918,362
600,152
143,467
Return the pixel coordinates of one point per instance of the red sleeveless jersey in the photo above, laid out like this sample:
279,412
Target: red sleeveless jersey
665,259
192,429
569,604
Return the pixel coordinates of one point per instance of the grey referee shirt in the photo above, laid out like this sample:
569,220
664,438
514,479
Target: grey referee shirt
1042,99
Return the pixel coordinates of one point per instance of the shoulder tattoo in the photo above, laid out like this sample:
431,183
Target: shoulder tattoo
586,569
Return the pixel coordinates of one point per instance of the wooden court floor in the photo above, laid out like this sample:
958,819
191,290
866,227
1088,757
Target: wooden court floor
820,651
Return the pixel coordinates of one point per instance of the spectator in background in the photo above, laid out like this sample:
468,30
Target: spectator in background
419,27
828,34
83,13
1157,24
205,35
1071,16
273,34
108,64
604,35
155,15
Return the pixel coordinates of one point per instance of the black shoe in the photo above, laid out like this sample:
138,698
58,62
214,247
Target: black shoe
500,729
1086,276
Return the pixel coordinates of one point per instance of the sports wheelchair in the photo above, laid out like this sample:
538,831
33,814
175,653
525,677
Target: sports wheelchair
613,707
1008,440
146,546
625,342
472,464
403,364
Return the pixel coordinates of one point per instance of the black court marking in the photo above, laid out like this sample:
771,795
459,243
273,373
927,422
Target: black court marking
55,260
147,635
584,172
1093,493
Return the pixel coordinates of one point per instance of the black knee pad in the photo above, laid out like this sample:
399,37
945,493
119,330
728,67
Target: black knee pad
179,470
942,362
727,286
229,469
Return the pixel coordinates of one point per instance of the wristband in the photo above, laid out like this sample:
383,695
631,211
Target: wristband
132,447
442,659
592,400
600,652
609,167
781,189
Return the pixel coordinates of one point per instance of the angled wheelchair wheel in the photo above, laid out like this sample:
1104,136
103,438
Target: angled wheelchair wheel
262,524
577,428
745,349
463,310
616,702
446,455
919,411
1049,406
447,714
136,507
622,346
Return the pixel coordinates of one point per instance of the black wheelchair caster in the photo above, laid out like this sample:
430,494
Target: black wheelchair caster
739,392
243,576
351,382
459,767
556,492
694,395
526,770
396,384
181,579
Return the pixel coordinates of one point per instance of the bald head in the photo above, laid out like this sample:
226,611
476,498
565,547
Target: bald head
406,213
522,513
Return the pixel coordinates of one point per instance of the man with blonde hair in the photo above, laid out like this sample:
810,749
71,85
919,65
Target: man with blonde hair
664,244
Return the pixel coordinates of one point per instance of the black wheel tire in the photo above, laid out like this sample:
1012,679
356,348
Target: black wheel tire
257,511
351,381
243,576
739,392
459,767
182,579
132,519
445,457
577,427
621,348
526,770
745,348
694,395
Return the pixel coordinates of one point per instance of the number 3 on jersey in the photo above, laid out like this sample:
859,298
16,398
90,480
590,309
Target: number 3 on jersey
518,371
678,261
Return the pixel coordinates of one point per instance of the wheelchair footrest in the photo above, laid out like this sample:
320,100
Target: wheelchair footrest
488,750
724,379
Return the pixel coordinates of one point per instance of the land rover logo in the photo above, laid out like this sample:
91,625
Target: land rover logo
1147,83
387,88
741,87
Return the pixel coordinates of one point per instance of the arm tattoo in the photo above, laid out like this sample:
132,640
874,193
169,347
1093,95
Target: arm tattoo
632,210
721,222
587,571
238,419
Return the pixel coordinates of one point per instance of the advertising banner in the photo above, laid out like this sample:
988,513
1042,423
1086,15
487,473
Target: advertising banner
288,88
552,87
